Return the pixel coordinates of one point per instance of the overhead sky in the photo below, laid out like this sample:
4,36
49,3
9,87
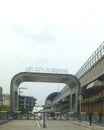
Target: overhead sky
48,34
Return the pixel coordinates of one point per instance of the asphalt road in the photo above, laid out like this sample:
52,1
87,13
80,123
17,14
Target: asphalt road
50,125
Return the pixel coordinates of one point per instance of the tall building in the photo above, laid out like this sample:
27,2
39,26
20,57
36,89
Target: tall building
1,96
6,100
27,102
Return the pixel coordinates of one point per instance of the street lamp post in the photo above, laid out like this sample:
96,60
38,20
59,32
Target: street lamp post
19,94
20,90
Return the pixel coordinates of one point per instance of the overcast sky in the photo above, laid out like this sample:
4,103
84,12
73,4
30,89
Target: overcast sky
48,34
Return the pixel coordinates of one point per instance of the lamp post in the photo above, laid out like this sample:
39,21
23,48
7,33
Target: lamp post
19,95
20,90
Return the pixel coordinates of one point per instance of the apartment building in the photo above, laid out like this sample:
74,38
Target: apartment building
27,102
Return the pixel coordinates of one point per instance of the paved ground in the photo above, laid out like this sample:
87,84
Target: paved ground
4,121
51,125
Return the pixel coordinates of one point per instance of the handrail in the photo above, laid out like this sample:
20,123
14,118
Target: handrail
93,59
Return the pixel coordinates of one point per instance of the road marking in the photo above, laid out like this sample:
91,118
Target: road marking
38,123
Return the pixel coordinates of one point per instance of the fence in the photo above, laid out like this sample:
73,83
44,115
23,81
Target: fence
83,116
94,58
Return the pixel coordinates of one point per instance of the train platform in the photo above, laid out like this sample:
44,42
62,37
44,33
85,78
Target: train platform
50,125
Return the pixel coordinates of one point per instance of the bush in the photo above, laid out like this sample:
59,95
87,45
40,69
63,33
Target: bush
4,108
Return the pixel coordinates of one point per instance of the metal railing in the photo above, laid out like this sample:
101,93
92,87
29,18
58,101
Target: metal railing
82,116
94,58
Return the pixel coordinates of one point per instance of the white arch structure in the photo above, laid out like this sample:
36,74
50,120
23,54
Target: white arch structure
68,79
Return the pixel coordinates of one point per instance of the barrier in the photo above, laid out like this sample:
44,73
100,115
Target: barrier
82,116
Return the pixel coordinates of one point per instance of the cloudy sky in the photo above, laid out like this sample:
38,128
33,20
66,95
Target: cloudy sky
48,34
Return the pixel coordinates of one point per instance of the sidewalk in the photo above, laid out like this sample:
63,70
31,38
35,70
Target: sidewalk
87,125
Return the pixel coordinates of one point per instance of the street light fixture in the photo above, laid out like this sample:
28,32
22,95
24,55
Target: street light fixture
20,90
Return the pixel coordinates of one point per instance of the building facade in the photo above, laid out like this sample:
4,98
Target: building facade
1,96
26,103
6,100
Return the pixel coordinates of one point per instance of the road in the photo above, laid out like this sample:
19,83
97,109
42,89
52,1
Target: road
51,125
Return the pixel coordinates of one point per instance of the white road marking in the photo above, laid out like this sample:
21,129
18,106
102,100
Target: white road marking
38,123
